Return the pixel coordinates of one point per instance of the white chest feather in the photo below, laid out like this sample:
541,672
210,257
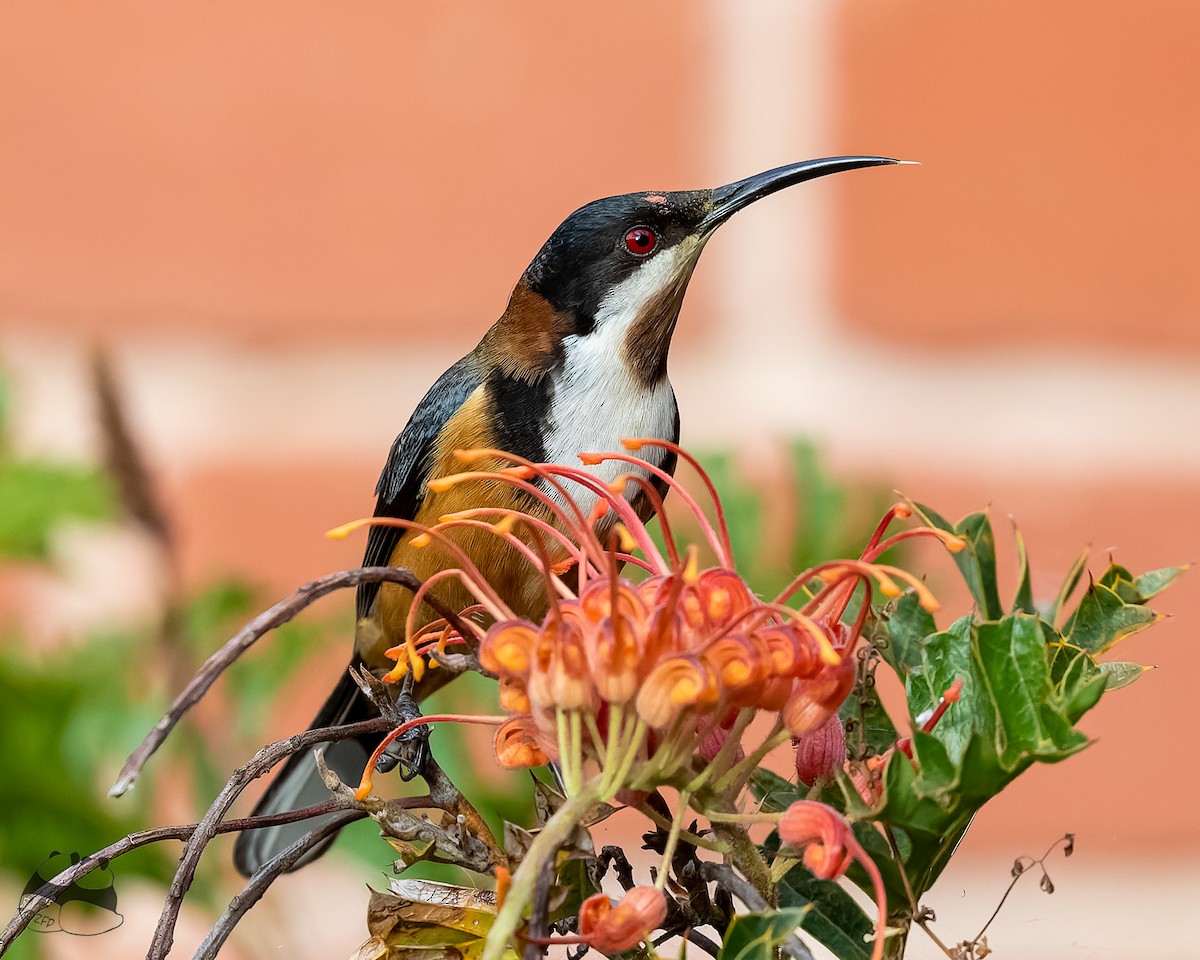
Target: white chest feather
598,402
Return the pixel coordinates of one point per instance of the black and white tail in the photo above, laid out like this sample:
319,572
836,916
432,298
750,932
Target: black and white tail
299,784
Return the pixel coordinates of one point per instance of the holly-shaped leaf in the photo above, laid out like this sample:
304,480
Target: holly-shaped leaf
1103,619
977,561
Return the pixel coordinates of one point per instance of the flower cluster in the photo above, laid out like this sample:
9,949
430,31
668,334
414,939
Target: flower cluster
634,678
628,684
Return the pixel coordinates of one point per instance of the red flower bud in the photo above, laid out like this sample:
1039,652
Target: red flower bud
711,745
820,753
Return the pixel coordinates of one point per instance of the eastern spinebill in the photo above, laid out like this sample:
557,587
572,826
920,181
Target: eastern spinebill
577,361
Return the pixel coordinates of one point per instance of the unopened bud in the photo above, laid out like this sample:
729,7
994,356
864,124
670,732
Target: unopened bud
820,753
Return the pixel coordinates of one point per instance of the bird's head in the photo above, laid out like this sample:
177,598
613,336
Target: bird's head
618,268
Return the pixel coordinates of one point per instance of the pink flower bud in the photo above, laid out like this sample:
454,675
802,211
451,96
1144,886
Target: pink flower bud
820,753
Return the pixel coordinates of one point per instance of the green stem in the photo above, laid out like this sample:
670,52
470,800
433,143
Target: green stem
744,855
538,857
777,736
672,840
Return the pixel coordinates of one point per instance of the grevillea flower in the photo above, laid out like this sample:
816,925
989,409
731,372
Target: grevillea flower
828,847
630,685
630,679
613,928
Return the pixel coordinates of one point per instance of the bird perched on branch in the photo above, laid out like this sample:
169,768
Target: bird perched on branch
577,361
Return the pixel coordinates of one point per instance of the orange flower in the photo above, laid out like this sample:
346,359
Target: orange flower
613,929
517,745
814,701
674,685
828,847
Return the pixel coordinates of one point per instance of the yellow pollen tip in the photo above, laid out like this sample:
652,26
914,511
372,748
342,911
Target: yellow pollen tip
442,484
691,569
954,544
902,510
598,511
520,471
420,540
340,533
505,524
618,486
828,654
591,459
625,538
631,444
469,456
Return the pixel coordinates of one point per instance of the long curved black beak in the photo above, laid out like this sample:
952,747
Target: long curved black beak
729,199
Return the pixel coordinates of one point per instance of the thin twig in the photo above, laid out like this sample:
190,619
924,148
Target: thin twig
724,876
1020,869
46,894
257,885
266,621
206,829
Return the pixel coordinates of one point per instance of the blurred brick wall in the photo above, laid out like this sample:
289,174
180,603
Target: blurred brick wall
287,218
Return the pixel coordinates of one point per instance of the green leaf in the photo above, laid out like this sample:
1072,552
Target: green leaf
1149,584
773,792
905,624
1103,619
1120,673
833,917
1068,586
1023,601
757,936
977,561
944,658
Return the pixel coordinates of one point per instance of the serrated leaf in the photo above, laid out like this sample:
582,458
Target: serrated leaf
977,561
1103,619
946,657
1155,581
1068,586
1121,673
757,936
1023,601
905,623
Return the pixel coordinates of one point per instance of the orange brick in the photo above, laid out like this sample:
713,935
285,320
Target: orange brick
1058,201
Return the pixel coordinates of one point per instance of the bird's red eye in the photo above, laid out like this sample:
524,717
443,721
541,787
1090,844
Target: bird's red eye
641,241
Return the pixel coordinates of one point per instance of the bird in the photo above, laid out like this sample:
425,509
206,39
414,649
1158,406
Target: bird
576,362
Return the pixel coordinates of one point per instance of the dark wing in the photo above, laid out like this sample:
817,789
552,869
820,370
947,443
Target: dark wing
401,486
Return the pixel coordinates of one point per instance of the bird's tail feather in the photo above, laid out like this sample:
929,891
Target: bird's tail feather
298,784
